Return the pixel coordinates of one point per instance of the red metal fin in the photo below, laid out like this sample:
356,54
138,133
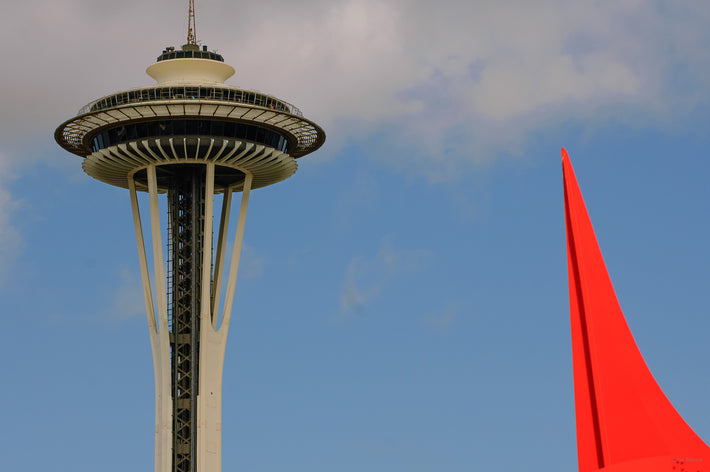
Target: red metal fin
622,414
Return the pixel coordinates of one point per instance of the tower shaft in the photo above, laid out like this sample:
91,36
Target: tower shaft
188,346
186,239
189,136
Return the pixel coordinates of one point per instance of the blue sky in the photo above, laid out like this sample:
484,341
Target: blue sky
402,303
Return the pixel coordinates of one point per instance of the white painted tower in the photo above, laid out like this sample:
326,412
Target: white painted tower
192,137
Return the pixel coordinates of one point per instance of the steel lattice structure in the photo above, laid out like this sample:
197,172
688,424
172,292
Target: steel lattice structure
190,137
186,207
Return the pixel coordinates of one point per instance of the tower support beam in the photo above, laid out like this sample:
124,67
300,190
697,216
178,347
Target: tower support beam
189,391
219,257
236,254
213,342
157,326
161,452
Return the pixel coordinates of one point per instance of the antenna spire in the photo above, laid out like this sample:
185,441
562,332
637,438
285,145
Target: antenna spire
191,28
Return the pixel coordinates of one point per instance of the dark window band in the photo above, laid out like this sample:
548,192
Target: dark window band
190,54
207,128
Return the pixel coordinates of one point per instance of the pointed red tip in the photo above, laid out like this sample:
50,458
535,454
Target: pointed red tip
624,420
567,170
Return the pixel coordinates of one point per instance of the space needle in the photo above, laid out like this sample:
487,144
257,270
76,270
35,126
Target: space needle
192,137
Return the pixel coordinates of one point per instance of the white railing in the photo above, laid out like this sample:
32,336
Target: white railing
211,93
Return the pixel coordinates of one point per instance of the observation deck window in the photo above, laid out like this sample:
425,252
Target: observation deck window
206,128
171,54
222,94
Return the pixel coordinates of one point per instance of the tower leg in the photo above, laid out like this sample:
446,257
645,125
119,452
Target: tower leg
188,347
213,341
158,330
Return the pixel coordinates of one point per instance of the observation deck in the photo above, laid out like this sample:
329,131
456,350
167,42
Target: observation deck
190,116
188,52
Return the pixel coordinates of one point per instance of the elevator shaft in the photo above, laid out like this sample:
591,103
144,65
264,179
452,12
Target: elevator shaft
186,198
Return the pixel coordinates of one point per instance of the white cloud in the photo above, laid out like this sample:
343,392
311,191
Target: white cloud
366,278
449,83
251,264
355,297
444,318
127,301
11,242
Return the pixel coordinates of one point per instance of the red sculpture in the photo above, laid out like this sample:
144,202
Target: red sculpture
624,421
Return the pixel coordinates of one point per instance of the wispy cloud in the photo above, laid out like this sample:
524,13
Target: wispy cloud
437,86
448,81
127,301
251,265
366,278
444,318
356,291
11,242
